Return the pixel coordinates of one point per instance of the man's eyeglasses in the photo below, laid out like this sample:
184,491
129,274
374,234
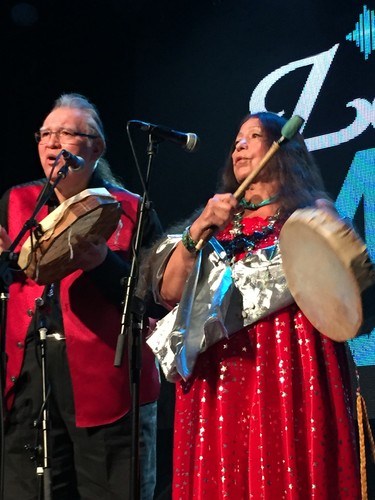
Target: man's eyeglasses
64,136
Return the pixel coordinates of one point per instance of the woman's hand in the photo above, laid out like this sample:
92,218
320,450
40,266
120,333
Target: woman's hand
218,212
327,206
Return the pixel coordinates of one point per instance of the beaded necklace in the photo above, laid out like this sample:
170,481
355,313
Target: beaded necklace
244,243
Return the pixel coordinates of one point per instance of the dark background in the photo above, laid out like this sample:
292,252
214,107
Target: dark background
191,66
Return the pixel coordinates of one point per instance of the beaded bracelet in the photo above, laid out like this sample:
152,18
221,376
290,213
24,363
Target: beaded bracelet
188,241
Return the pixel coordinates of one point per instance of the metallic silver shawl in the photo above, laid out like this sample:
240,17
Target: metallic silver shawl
219,299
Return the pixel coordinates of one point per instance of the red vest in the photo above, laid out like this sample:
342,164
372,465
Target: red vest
91,324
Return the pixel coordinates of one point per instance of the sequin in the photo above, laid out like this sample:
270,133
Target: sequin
273,405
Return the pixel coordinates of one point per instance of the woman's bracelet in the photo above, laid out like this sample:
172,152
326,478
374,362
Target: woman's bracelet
188,241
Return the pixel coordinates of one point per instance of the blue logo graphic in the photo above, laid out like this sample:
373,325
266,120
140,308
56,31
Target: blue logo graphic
364,33
358,189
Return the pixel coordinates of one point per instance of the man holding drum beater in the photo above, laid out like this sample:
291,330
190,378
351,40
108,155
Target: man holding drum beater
263,405
78,311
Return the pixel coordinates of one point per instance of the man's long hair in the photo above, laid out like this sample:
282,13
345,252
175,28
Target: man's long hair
95,126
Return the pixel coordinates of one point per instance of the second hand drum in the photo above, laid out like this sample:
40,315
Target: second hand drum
327,269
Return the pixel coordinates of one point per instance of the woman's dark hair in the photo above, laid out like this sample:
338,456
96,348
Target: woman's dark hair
293,167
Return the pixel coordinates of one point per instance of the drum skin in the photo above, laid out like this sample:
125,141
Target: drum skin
50,253
327,269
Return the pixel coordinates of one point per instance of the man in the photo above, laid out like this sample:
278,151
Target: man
89,400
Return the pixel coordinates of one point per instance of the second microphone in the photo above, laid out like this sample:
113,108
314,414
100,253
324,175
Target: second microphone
187,140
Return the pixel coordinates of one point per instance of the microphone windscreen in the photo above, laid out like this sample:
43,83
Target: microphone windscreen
192,142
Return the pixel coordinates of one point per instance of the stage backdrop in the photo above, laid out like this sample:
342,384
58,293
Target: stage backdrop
200,67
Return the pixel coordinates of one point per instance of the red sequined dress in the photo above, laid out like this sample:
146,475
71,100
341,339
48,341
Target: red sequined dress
267,412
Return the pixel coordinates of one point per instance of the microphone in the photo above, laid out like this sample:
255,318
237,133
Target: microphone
74,162
186,140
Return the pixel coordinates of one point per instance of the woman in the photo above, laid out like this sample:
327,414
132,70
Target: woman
263,409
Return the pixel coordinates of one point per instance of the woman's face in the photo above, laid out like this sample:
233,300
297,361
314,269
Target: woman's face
250,148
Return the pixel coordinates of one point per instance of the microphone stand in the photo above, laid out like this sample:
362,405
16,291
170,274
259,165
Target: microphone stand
5,280
132,327
44,470
6,257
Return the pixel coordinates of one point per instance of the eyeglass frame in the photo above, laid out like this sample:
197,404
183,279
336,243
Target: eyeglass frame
38,138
